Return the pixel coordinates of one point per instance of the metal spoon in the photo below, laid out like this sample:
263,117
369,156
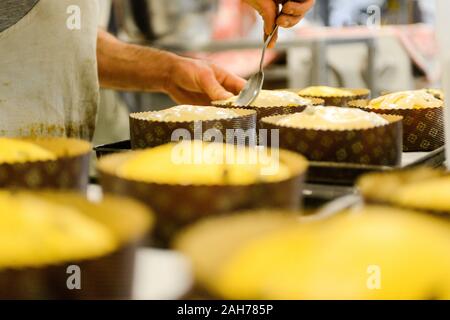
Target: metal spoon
255,83
334,207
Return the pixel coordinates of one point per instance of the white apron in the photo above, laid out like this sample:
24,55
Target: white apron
48,72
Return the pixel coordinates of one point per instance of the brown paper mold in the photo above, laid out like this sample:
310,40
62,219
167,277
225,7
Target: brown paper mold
423,129
341,100
146,133
423,189
105,272
381,145
263,112
69,171
177,205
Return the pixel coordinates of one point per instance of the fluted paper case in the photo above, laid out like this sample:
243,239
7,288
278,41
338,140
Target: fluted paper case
178,205
146,133
423,129
380,145
70,171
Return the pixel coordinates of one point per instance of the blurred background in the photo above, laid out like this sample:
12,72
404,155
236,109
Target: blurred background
383,45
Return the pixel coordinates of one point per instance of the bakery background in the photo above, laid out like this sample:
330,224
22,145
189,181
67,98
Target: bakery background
400,56
363,213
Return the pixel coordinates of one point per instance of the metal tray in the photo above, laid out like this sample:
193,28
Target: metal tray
328,173
346,173
106,149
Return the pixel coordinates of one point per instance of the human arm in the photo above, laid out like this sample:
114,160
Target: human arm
129,67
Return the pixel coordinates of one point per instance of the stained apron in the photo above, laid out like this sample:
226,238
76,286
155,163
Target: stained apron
48,71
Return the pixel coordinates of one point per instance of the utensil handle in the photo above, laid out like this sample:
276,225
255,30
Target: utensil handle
266,44
270,37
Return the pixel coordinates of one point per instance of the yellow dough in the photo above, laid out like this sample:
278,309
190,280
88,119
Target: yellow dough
211,241
110,212
417,99
16,151
196,162
333,118
370,253
35,232
438,94
189,113
273,98
399,184
431,194
325,91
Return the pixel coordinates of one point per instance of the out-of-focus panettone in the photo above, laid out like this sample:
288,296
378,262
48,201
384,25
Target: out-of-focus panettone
371,253
18,151
212,241
423,188
44,163
40,229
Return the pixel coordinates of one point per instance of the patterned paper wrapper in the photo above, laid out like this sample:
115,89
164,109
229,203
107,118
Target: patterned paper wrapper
151,133
263,112
341,101
179,205
423,129
380,145
70,171
108,277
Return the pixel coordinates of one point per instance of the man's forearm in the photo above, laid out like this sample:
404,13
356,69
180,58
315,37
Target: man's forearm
122,66
128,67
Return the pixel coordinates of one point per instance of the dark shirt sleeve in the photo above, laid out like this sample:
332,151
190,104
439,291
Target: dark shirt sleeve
11,11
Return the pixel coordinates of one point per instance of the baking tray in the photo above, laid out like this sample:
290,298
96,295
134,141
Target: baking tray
106,149
346,174
329,173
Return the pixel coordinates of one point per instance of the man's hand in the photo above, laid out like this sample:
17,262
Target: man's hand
128,67
291,13
199,82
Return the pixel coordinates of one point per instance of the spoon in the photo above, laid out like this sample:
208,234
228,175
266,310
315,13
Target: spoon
255,83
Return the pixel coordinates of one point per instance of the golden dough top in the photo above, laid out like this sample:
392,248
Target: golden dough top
273,98
196,162
325,91
35,231
18,151
333,118
189,113
417,99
